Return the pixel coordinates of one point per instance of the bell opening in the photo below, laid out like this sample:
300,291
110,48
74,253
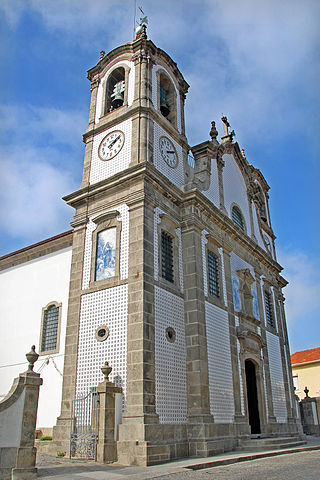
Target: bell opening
115,90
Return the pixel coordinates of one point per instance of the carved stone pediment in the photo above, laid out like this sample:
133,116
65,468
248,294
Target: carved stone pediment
250,341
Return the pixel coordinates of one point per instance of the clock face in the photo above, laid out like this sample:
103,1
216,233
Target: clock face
168,152
111,145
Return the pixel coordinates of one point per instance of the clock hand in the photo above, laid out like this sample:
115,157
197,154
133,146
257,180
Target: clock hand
114,141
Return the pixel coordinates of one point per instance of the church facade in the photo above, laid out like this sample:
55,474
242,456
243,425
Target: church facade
174,278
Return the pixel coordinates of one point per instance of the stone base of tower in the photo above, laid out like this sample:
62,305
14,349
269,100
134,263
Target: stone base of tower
209,439
150,444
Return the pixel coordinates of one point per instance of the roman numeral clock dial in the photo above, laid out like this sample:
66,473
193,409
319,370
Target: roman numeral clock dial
111,145
168,152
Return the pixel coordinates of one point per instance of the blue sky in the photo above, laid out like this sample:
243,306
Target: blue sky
256,62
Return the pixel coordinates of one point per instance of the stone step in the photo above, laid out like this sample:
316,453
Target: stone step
270,443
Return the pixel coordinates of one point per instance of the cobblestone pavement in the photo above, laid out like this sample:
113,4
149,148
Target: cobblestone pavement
297,466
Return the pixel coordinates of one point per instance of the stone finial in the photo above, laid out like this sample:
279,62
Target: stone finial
213,132
102,54
306,391
32,357
106,370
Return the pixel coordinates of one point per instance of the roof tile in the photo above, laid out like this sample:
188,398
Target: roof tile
305,356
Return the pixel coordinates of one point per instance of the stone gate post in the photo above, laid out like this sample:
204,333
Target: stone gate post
18,415
107,446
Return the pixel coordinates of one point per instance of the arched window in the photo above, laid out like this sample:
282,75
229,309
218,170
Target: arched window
237,218
168,99
49,336
115,89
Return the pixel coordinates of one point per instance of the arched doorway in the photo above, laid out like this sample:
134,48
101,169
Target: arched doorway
252,397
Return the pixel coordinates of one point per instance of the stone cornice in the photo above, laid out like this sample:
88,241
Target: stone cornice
31,252
146,172
256,172
133,48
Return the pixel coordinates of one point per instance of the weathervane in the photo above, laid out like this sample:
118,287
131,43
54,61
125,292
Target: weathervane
139,27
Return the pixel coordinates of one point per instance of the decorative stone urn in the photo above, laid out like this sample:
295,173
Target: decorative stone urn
106,370
32,357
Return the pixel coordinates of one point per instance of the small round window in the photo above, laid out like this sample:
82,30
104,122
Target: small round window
102,333
170,335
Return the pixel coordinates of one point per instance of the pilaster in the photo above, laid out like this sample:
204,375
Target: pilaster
195,327
141,438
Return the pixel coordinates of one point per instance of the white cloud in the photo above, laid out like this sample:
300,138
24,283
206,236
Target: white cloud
302,293
40,148
31,206
32,122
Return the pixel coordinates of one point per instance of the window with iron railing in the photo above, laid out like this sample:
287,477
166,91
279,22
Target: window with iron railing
50,325
213,275
269,312
167,256
237,218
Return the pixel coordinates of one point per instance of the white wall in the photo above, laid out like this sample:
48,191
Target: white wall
26,289
235,190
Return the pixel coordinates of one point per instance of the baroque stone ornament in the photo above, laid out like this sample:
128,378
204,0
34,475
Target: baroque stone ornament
226,125
306,391
106,370
32,357
213,132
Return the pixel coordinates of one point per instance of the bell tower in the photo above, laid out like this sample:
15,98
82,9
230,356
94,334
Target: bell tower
136,113
134,145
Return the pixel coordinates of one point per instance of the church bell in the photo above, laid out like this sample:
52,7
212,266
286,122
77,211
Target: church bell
118,94
164,105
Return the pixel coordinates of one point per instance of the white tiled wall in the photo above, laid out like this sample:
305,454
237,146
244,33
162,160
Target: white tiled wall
213,191
277,384
102,169
235,190
219,363
106,307
240,378
175,175
170,358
